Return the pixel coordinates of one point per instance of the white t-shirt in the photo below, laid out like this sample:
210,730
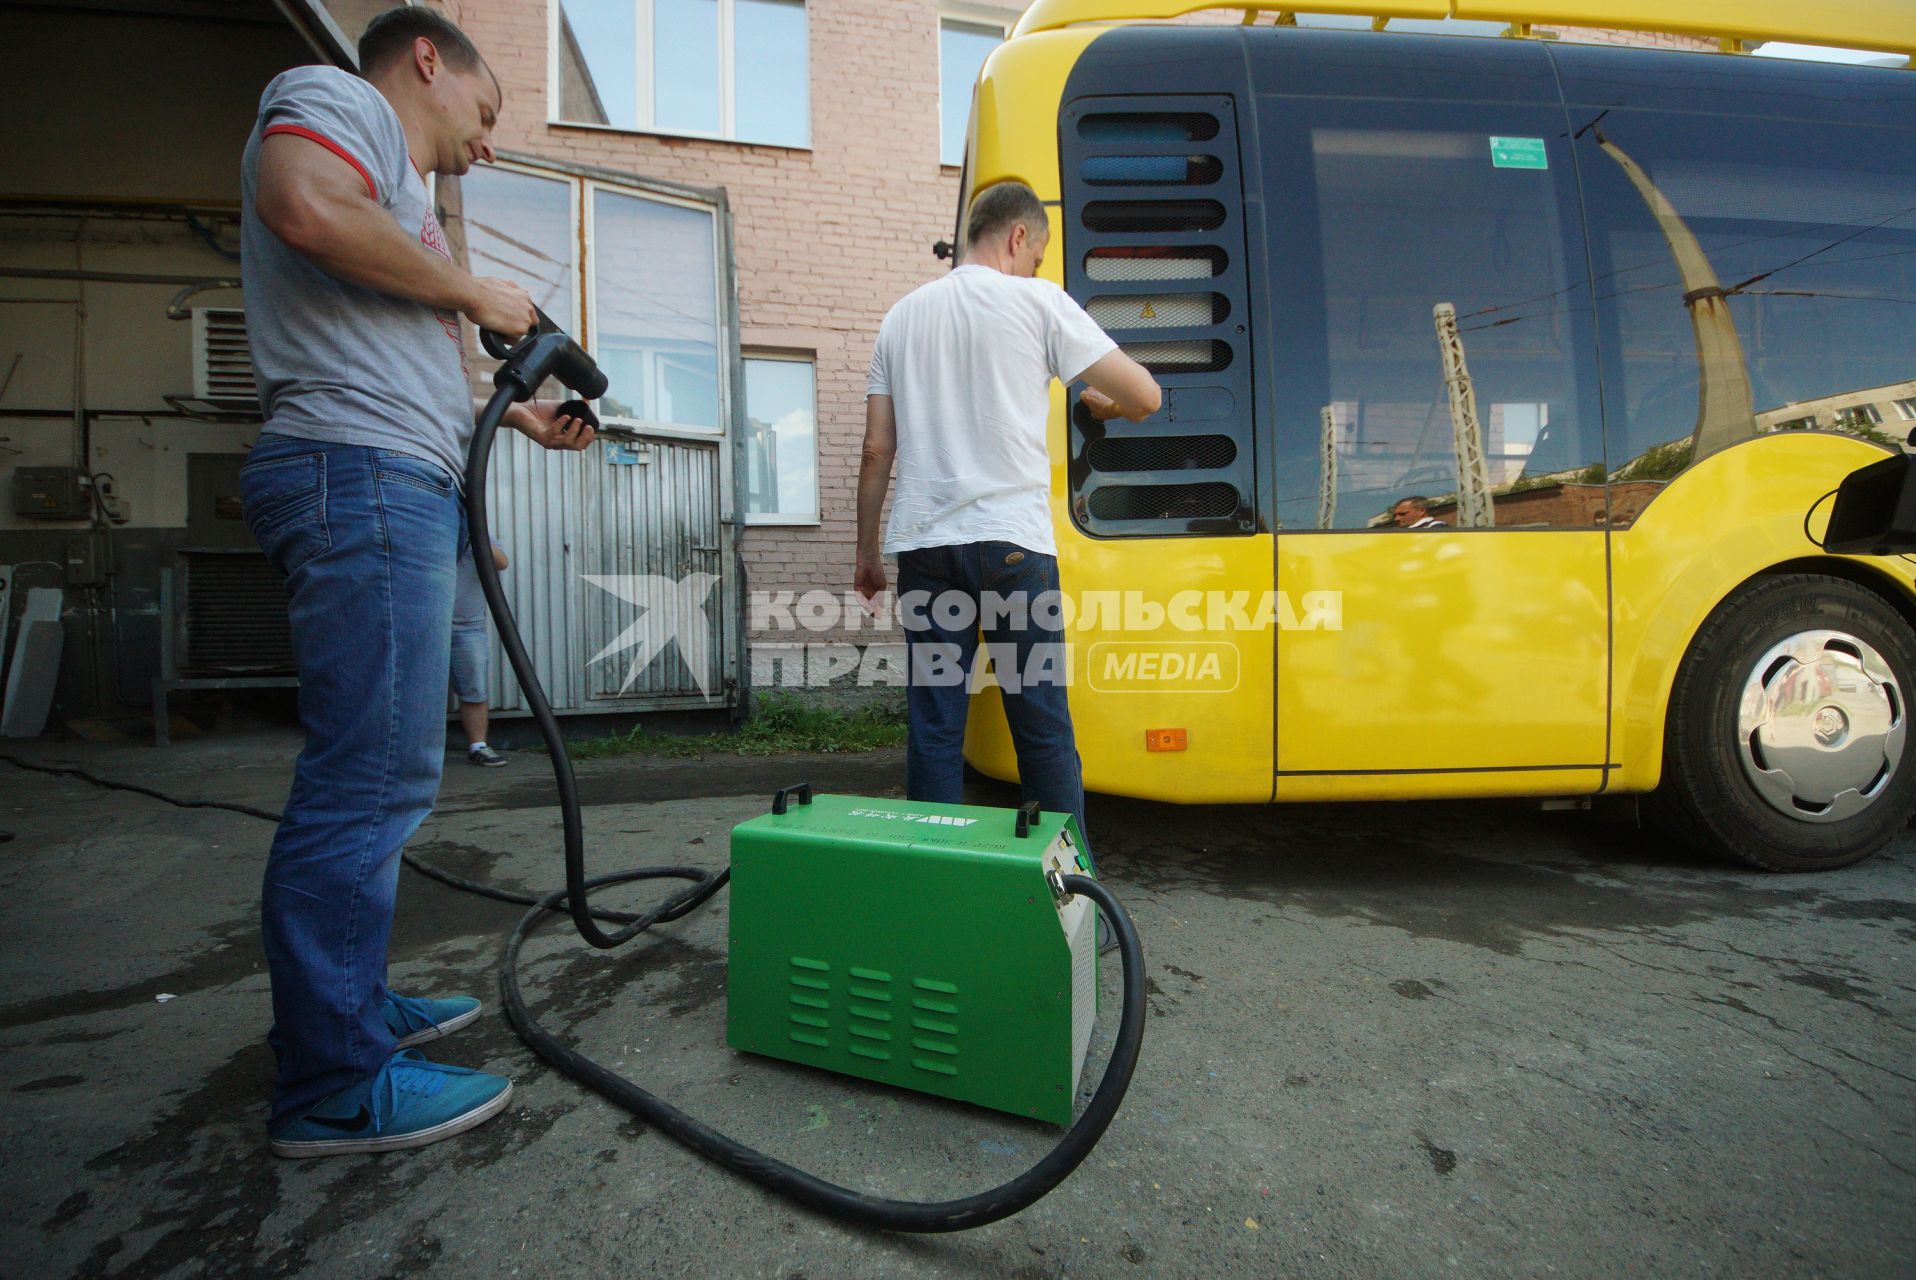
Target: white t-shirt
968,362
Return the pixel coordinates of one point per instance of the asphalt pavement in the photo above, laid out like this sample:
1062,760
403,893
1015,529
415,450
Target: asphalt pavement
1385,1040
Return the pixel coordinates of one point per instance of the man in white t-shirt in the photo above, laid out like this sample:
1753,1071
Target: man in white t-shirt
960,396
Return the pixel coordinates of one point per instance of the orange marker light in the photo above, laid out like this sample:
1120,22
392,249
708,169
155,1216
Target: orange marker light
1164,740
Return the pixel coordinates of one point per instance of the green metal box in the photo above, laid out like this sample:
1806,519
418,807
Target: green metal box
915,944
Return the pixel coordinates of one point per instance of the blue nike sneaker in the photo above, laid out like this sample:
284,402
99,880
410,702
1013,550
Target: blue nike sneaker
409,1103
414,1021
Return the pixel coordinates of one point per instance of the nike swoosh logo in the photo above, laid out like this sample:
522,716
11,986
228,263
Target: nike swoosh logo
360,1120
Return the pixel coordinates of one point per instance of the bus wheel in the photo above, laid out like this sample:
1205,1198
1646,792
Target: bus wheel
1787,741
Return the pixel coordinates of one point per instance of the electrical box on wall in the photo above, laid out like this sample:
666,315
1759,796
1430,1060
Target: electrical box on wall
52,493
84,568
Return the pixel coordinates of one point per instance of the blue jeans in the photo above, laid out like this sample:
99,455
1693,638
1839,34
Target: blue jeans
471,651
471,645
367,539
1027,650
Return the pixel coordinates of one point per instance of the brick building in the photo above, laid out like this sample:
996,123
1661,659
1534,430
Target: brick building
827,230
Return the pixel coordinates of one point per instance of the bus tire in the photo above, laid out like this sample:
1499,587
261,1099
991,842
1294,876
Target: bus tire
1786,743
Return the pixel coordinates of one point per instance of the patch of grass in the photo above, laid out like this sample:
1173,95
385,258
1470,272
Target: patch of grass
780,724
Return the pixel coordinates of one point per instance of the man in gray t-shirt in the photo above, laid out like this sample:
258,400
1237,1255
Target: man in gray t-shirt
353,491
337,360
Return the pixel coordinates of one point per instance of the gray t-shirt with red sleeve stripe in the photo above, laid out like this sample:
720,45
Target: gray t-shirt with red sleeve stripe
337,361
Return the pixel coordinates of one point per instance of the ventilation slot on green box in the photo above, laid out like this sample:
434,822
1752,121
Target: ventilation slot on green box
812,999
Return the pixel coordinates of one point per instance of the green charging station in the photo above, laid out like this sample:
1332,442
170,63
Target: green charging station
946,949
929,946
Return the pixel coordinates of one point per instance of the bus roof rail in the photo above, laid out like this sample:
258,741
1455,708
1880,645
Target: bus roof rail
1886,25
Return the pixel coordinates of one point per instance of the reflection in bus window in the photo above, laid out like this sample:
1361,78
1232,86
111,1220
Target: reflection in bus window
1809,231
1442,345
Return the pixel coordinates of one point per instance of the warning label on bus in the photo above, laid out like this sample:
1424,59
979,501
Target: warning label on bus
1518,153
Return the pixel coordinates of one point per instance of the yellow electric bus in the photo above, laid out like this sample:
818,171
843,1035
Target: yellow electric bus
1503,380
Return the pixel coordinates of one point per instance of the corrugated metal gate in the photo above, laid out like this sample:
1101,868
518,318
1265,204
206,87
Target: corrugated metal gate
641,528
657,518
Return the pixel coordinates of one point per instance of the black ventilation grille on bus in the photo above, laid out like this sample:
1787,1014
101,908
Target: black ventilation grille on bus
1116,120
1151,171
1154,250
1123,263
1162,453
1153,215
1163,501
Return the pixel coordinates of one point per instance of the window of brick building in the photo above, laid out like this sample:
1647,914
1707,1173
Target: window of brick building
654,308
521,225
633,272
962,50
732,69
781,440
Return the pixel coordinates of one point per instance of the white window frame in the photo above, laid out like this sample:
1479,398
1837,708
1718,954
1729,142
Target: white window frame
572,183
642,80
977,17
589,302
583,324
777,518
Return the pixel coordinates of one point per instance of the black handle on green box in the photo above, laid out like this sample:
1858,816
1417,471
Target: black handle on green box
803,791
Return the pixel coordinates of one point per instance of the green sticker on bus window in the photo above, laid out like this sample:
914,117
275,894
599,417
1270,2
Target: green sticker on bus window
1518,153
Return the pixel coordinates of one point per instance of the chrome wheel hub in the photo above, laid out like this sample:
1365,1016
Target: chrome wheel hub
1821,726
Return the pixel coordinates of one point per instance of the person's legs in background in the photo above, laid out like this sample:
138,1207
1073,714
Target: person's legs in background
470,653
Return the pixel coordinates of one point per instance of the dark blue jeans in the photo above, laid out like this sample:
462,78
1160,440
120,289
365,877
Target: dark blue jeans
367,539
1005,586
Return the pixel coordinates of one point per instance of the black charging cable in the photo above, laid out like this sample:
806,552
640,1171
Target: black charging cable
546,350
1808,536
424,868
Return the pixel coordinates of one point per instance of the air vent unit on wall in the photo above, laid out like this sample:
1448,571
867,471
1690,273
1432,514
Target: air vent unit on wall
222,360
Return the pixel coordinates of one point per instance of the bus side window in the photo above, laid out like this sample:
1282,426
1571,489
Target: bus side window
1807,229
1415,208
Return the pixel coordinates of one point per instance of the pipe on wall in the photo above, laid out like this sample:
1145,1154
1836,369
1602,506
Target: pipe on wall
117,277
